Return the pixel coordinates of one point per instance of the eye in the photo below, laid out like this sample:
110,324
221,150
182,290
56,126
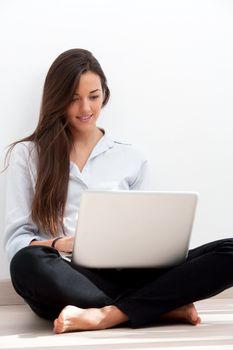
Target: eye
94,97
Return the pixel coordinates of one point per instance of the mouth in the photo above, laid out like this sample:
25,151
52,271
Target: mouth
85,117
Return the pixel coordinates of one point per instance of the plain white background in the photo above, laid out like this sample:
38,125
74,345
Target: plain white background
169,68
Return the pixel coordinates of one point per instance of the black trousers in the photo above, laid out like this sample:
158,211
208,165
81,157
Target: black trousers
48,283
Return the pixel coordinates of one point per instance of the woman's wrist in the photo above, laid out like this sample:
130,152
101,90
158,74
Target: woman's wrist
54,241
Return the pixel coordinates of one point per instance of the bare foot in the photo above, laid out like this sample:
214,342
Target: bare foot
73,318
186,313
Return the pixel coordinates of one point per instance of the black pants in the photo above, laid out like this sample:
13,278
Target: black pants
48,283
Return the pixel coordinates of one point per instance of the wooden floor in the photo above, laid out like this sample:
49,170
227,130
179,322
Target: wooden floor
21,329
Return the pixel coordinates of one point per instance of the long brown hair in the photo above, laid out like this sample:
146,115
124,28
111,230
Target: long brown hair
52,136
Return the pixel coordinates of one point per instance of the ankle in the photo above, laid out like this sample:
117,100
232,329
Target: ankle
112,316
112,310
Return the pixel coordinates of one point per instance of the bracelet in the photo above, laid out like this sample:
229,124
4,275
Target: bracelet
54,241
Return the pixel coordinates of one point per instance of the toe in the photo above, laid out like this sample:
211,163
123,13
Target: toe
55,326
58,327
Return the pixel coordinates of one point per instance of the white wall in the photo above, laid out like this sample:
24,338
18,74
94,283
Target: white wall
169,67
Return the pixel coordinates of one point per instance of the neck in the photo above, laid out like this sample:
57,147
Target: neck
87,138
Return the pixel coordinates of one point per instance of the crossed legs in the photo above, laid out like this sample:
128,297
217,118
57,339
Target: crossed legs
81,299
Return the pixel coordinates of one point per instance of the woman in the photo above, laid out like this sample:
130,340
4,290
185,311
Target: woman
47,172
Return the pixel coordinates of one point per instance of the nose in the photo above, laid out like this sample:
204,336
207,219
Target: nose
85,107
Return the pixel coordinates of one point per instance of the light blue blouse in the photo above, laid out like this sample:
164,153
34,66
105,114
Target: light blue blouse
111,166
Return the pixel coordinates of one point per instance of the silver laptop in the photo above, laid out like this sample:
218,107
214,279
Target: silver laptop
132,229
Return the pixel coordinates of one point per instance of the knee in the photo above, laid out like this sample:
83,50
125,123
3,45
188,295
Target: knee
225,246
27,262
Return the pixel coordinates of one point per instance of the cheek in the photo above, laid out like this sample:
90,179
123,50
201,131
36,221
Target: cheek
70,112
98,106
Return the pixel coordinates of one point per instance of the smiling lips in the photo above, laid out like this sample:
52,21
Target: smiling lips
85,117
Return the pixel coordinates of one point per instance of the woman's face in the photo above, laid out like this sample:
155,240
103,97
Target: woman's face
85,107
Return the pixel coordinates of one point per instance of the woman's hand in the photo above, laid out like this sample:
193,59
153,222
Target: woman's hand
65,244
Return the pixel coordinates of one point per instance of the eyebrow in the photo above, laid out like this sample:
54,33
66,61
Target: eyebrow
91,92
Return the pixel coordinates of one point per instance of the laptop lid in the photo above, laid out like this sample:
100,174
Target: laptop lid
129,229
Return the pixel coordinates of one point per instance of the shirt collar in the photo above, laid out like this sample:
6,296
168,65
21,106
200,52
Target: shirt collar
102,145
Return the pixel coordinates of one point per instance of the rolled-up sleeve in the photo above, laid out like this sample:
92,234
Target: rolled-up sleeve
19,227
